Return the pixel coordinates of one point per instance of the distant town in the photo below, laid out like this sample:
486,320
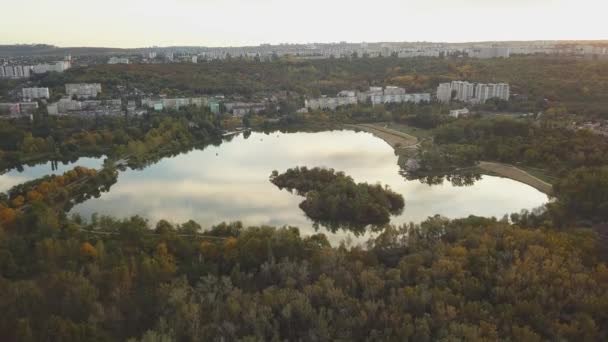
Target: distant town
83,99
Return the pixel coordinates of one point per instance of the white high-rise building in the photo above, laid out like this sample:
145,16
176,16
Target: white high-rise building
465,91
15,71
472,93
484,92
444,92
35,93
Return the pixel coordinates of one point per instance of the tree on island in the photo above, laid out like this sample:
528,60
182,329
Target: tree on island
335,201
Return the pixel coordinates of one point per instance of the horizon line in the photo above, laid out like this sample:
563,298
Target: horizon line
308,43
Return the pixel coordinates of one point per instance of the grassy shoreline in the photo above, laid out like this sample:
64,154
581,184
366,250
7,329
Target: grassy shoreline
402,142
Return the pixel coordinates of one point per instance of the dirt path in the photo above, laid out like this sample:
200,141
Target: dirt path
397,140
510,171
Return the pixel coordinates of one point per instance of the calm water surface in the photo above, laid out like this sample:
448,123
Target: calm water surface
230,182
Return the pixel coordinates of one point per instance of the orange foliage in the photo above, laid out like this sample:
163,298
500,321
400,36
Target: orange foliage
34,195
7,216
86,249
209,250
18,201
44,188
40,191
230,248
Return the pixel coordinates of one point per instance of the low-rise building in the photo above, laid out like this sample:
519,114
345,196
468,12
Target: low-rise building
490,52
173,103
118,60
29,94
241,109
456,113
83,90
366,96
59,66
9,109
68,106
18,108
392,94
331,103
214,106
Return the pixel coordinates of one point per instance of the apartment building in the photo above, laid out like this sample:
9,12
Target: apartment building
83,90
29,94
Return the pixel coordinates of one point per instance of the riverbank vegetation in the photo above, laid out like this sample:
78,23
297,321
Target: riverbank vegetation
334,200
60,192
67,138
575,160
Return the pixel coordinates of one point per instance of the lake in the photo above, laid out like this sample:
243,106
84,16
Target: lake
230,182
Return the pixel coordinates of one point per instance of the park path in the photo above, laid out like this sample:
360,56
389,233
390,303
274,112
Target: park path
402,141
513,172
397,140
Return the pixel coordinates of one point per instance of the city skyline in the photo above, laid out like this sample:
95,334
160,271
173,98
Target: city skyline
217,23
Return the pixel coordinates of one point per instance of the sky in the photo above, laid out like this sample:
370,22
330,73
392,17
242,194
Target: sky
142,23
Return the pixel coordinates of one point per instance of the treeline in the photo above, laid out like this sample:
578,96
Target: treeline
58,191
468,279
334,200
67,138
576,158
523,141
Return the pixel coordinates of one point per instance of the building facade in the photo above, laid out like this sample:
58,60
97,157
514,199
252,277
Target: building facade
83,90
118,60
20,108
35,93
459,112
15,71
59,66
444,92
472,93
484,92
490,52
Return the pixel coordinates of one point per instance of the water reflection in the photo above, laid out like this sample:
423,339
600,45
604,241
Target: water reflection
229,182
456,179
26,173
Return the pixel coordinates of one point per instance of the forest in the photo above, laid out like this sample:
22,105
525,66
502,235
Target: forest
469,279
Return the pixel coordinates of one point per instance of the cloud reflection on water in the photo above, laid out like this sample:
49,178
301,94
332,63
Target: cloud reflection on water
233,185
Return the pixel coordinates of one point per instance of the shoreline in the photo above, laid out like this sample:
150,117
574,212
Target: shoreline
515,173
397,140
400,141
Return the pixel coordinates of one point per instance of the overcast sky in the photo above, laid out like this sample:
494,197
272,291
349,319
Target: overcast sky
139,23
